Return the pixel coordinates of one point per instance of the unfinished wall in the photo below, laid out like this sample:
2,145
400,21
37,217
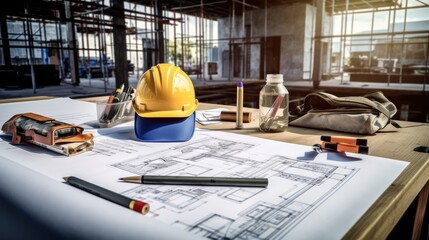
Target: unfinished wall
292,23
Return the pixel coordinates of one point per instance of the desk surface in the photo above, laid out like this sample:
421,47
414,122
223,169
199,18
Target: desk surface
391,142
382,216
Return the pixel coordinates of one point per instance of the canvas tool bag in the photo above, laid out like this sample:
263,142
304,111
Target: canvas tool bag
355,114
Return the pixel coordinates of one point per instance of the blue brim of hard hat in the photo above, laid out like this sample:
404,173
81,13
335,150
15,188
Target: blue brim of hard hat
164,129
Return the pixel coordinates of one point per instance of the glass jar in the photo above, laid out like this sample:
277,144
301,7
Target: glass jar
273,105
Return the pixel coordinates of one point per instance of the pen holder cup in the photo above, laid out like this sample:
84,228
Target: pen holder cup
111,114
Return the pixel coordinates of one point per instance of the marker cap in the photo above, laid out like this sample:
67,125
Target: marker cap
345,147
347,140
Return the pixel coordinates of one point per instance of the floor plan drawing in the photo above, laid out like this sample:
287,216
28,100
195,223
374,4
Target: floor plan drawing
233,212
309,195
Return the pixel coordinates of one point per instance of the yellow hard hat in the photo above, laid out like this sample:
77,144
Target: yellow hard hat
165,91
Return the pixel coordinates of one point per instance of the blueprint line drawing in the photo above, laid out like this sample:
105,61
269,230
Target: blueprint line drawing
231,212
309,195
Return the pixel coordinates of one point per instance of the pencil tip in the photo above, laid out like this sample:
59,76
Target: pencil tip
65,178
121,179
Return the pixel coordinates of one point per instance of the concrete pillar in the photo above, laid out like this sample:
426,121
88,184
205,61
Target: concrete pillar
73,52
317,65
5,40
120,44
159,27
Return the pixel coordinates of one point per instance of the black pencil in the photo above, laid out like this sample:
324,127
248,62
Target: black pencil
197,180
138,206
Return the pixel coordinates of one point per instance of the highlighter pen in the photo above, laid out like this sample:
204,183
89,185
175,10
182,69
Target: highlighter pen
347,140
345,147
138,206
196,180
239,116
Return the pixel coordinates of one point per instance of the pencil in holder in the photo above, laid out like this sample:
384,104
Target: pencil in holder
112,114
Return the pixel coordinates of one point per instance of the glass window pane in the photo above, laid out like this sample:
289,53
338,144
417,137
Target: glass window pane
362,23
418,15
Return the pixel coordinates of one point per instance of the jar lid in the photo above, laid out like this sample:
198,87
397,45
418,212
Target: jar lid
274,78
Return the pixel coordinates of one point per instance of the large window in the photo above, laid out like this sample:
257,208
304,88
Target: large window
379,44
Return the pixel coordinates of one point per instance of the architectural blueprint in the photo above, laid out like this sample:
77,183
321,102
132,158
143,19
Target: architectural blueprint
309,195
295,189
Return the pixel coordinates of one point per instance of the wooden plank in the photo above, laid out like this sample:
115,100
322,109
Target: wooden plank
420,212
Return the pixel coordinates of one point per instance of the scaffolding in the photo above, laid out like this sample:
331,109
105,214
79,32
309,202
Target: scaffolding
85,30
101,39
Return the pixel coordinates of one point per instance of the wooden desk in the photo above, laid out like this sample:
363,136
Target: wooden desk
384,214
390,142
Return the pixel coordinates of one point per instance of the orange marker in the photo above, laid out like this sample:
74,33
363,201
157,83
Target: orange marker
345,147
346,140
108,105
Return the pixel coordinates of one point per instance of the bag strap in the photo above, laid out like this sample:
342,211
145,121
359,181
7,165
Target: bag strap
379,97
361,101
